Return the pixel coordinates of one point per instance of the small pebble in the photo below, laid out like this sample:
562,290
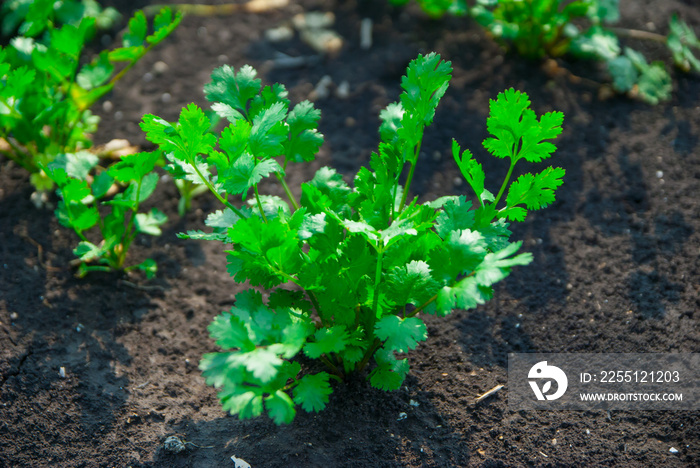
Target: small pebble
107,106
160,67
366,34
148,77
673,450
165,98
343,91
14,316
659,174
62,372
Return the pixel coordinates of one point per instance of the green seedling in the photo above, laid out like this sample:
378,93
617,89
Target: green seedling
582,29
85,205
46,89
349,271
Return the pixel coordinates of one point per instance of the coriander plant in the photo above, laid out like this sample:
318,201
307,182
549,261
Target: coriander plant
348,271
46,89
583,29
83,187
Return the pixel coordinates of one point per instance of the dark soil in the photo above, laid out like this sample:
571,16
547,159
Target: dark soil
616,270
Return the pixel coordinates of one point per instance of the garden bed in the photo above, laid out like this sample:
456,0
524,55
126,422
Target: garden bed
616,269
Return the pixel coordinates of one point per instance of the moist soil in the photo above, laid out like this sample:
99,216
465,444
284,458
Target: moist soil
615,268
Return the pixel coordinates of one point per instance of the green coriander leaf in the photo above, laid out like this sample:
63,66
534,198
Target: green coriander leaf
472,171
597,44
194,130
424,84
391,118
496,266
534,192
134,167
272,205
76,165
230,332
390,372
149,267
88,251
263,364
245,173
149,223
136,32
607,11
304,139
681,41
411,283
457,214
231,92
326,341
96,73
163,25
312,225
312,391
234,142
517,133
280,407
101,184
268,133
624,73
400,334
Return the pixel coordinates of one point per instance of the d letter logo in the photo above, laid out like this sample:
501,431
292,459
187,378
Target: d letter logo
542,371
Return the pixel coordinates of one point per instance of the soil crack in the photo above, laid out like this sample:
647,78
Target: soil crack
17,370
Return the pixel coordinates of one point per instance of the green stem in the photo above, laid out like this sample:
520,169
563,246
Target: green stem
22,161
288,191
377,282
317,306
368,354
216,194
331,366
505,181
422,306
260,207
129,236
411,171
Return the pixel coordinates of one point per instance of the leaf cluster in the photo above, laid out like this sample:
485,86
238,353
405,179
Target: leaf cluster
47,87
582,29
349,268
85,204
30,18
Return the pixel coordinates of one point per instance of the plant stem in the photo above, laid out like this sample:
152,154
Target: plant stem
377,282
414,163
368,354
260,207
216,194
19,160
331,366
638,34
505,181
422,306
317,306
288,191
